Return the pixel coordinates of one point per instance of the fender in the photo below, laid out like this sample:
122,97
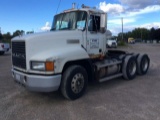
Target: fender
62,56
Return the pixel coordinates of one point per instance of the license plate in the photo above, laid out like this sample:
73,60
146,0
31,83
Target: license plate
18,77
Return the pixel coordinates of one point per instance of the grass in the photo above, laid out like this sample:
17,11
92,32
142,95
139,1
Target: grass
122,43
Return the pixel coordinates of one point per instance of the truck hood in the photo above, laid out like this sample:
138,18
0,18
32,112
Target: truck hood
40,42
47,35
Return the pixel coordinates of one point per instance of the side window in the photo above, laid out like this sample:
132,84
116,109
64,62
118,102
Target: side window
94,23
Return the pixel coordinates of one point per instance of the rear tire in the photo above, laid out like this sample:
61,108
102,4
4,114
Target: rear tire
74,82
129,67
143,62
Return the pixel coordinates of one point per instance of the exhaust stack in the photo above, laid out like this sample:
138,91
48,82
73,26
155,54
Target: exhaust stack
73,5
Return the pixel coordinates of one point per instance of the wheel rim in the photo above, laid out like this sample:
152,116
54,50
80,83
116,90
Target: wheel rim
77,83
144,64
132,68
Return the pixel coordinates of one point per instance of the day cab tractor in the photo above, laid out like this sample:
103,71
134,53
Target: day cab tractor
72,54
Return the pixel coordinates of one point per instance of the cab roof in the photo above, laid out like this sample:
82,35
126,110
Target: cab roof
88,10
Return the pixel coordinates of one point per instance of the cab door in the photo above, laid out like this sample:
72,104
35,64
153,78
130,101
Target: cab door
94,37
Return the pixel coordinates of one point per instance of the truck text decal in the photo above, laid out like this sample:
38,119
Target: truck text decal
94,43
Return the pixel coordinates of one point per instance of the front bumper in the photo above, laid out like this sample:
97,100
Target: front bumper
37,83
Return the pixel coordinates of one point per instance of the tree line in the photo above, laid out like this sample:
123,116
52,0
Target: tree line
6,38
141,34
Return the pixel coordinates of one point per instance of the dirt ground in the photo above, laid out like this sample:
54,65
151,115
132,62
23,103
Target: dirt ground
138,99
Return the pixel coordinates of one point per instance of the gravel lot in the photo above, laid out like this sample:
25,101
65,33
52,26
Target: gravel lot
117,99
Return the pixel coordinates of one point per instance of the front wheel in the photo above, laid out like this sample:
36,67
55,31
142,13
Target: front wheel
74,82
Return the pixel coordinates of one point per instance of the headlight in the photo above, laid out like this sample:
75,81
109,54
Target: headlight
42,66
38,66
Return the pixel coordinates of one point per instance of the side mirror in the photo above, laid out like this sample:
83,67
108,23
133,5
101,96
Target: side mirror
103,23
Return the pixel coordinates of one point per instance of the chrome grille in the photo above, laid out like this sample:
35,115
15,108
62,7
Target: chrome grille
19,54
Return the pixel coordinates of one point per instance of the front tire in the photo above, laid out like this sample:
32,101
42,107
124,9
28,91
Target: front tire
129,67
74,82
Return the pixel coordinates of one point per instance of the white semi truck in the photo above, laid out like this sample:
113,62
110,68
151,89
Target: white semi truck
72,54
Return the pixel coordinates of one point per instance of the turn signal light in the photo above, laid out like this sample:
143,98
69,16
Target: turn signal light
49,66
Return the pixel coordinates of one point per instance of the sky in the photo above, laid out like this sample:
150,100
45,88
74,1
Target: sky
37,15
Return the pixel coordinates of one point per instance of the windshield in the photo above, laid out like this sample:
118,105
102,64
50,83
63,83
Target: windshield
69,21
111,38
